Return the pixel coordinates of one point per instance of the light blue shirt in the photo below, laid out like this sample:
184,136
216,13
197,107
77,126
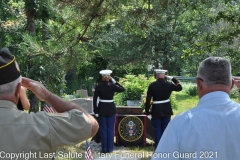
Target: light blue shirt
211,130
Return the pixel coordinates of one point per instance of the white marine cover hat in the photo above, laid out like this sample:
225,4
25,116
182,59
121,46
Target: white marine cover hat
160,71
105,72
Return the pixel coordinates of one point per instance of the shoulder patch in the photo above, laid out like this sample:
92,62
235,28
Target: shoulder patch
64,114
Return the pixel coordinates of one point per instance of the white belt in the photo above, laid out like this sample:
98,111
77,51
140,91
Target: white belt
164,101
102,100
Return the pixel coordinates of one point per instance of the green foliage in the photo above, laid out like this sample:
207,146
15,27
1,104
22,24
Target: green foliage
67,97
134,86
41,65
75,82
173,101
120,99
79,95
72,84
234,92
190,89
121,35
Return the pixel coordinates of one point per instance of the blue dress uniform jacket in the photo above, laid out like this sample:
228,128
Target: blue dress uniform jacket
39,133
160,90
105,91
107,111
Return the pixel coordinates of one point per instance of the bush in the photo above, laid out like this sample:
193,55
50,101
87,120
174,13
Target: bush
134,86
190,89
68,97
119,99
173,101
234,92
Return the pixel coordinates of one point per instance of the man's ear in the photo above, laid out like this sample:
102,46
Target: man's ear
199,84
17,92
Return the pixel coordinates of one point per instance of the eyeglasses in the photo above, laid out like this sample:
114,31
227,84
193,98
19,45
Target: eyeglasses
200,79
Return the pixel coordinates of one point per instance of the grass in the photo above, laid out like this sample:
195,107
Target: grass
184,101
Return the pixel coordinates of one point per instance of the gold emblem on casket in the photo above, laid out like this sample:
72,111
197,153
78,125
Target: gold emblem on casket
130,128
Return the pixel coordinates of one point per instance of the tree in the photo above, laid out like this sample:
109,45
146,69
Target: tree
70,26
151,32
75,36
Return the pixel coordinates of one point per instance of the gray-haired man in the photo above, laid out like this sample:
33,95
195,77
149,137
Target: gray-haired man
209,130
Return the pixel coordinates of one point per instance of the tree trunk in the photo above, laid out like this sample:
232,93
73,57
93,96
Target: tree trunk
30,12
45,35
45,18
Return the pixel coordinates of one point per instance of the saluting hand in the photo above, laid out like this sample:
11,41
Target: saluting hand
237,82
113,80
36,87
175,81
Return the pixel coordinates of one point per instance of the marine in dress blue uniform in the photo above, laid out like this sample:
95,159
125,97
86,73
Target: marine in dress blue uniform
106,109
159,92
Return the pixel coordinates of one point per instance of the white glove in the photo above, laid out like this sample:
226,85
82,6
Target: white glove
96,115
170,77
149,116
113,80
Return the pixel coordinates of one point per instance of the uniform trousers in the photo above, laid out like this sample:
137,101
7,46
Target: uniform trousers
159,125
107,132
